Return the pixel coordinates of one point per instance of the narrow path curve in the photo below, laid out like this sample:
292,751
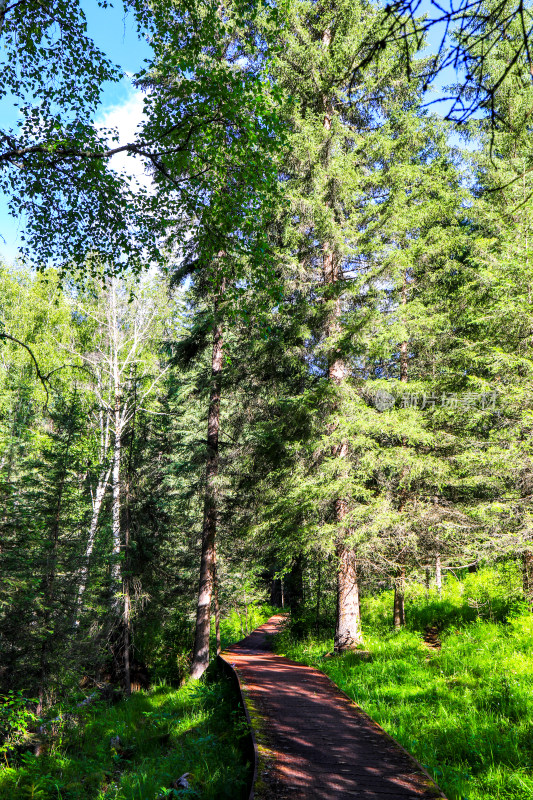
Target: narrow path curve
321,745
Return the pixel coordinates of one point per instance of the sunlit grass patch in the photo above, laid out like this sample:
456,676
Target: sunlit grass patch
162,734
464,711
236,626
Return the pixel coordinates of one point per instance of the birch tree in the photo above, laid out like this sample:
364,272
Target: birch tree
126,330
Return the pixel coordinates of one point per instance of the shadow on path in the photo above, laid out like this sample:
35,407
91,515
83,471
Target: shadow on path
321,744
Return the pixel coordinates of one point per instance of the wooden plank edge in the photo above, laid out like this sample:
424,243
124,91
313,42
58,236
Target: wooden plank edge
229,669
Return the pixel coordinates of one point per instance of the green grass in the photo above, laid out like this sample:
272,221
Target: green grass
466,711
235,627
164,733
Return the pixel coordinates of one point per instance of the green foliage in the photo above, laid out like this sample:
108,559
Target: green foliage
236,625
464,711
16,717
491,594
269,156
52,74
75,201
166,648
162,735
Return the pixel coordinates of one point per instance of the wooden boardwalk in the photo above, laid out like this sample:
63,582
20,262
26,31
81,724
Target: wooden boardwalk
316,743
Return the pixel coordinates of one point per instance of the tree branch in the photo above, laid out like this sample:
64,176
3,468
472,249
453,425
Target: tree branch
42,378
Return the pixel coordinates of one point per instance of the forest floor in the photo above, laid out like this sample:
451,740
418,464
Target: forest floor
162,734
463,705
320,744
197,730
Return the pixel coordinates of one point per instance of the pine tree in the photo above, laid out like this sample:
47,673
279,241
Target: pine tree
373,201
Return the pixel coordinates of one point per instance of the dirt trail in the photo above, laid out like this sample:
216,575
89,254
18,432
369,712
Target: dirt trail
321,744
431,637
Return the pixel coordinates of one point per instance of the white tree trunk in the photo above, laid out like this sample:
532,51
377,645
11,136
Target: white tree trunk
97,505
438,573
117,445
115,569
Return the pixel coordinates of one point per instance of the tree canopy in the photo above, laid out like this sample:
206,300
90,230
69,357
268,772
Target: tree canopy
295,367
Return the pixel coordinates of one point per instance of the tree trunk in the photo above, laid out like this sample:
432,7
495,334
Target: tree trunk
97,506
115,527
348,632
246,625
527,577
126,592
127,637
399,595
348,629
117,448
200,659
318,590
49,580
48,599
217,606
438,573
127,564
403,345
275,592
348,624
296,584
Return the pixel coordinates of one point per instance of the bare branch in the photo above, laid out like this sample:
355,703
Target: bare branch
42,378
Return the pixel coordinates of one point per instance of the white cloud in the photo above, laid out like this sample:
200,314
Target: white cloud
125,119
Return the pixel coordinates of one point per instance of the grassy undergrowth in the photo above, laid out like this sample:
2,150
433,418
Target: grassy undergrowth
163,733
166,646
466,711
236,626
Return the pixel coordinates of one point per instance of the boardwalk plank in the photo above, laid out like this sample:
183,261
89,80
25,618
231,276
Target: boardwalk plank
320,745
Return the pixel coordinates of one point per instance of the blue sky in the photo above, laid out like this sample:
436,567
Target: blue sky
115,34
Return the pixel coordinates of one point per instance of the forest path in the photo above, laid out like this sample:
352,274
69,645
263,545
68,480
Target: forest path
314,742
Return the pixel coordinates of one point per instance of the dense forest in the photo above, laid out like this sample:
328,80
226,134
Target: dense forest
294,372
